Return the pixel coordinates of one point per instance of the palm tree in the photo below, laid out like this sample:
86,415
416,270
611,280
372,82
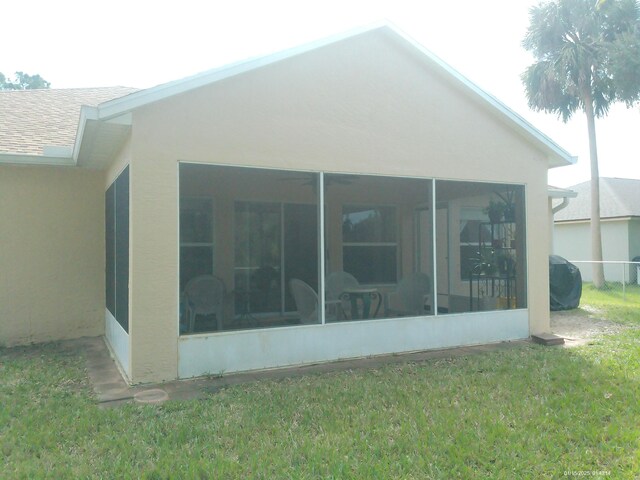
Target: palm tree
571,41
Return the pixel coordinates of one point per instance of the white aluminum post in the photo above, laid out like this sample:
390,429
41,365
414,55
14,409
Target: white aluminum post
321,302
434,269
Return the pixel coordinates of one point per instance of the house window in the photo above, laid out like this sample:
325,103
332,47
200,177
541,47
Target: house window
370,248
378,247
196,238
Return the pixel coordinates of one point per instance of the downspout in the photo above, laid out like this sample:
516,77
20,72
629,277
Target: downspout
560,206
554,210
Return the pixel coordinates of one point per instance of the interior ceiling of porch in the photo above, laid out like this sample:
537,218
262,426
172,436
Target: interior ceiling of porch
295,186
291,186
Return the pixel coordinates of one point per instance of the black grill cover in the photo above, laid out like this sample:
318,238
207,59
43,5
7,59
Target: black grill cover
565,284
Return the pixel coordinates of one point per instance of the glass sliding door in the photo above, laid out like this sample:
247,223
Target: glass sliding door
258,257
265,230
300,247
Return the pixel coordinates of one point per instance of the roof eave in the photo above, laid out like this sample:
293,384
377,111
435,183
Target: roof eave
554,192
86,113
555,154
122,105
29,159
602,219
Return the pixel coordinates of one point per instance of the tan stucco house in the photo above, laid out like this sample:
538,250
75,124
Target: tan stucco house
322,203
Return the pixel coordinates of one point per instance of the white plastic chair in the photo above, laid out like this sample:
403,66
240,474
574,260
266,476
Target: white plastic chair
335,284
204,295
409,299
306,301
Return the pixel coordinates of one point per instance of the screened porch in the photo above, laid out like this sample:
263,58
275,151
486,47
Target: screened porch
262,248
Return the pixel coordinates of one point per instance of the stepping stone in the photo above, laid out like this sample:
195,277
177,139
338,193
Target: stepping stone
153,395
547,339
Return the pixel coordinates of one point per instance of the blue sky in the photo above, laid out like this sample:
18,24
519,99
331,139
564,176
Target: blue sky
141,43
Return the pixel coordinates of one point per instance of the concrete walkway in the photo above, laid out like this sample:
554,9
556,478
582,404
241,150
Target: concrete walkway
111,389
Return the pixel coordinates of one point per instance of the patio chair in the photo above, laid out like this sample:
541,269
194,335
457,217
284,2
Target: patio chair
411,296
204,295
306,300
335,284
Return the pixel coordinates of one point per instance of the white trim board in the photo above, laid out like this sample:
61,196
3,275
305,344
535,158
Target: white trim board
117,107
119,342
239,351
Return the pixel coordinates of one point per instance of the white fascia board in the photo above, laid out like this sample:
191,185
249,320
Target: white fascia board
119,106
86,113
626,218
122,106
554,192
22,159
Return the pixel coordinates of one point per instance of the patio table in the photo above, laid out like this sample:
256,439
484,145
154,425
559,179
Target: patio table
364,296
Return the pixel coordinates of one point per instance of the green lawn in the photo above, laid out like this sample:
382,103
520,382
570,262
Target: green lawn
621,305
525,412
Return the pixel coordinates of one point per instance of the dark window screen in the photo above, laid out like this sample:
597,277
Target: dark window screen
117,249
110,254
122,249
371,264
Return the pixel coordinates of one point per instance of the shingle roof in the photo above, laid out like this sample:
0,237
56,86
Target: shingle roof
619,197
33,119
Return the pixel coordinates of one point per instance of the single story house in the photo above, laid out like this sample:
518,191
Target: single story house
619,224
331,201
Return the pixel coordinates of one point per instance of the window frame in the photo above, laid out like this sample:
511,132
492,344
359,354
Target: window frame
361,244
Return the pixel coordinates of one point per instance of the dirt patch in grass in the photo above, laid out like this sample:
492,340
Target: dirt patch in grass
581,325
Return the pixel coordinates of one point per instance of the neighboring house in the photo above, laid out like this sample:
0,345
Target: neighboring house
620,227
359,167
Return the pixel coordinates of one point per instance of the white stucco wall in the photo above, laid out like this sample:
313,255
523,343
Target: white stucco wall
573,242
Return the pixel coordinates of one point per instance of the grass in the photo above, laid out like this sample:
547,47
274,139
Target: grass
522,412
618,304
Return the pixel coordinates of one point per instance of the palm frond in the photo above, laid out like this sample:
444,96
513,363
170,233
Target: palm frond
572,41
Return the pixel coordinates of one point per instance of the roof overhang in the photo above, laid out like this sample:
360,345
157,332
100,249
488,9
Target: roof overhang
99,137
23,159
603,220
557,192
102,130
